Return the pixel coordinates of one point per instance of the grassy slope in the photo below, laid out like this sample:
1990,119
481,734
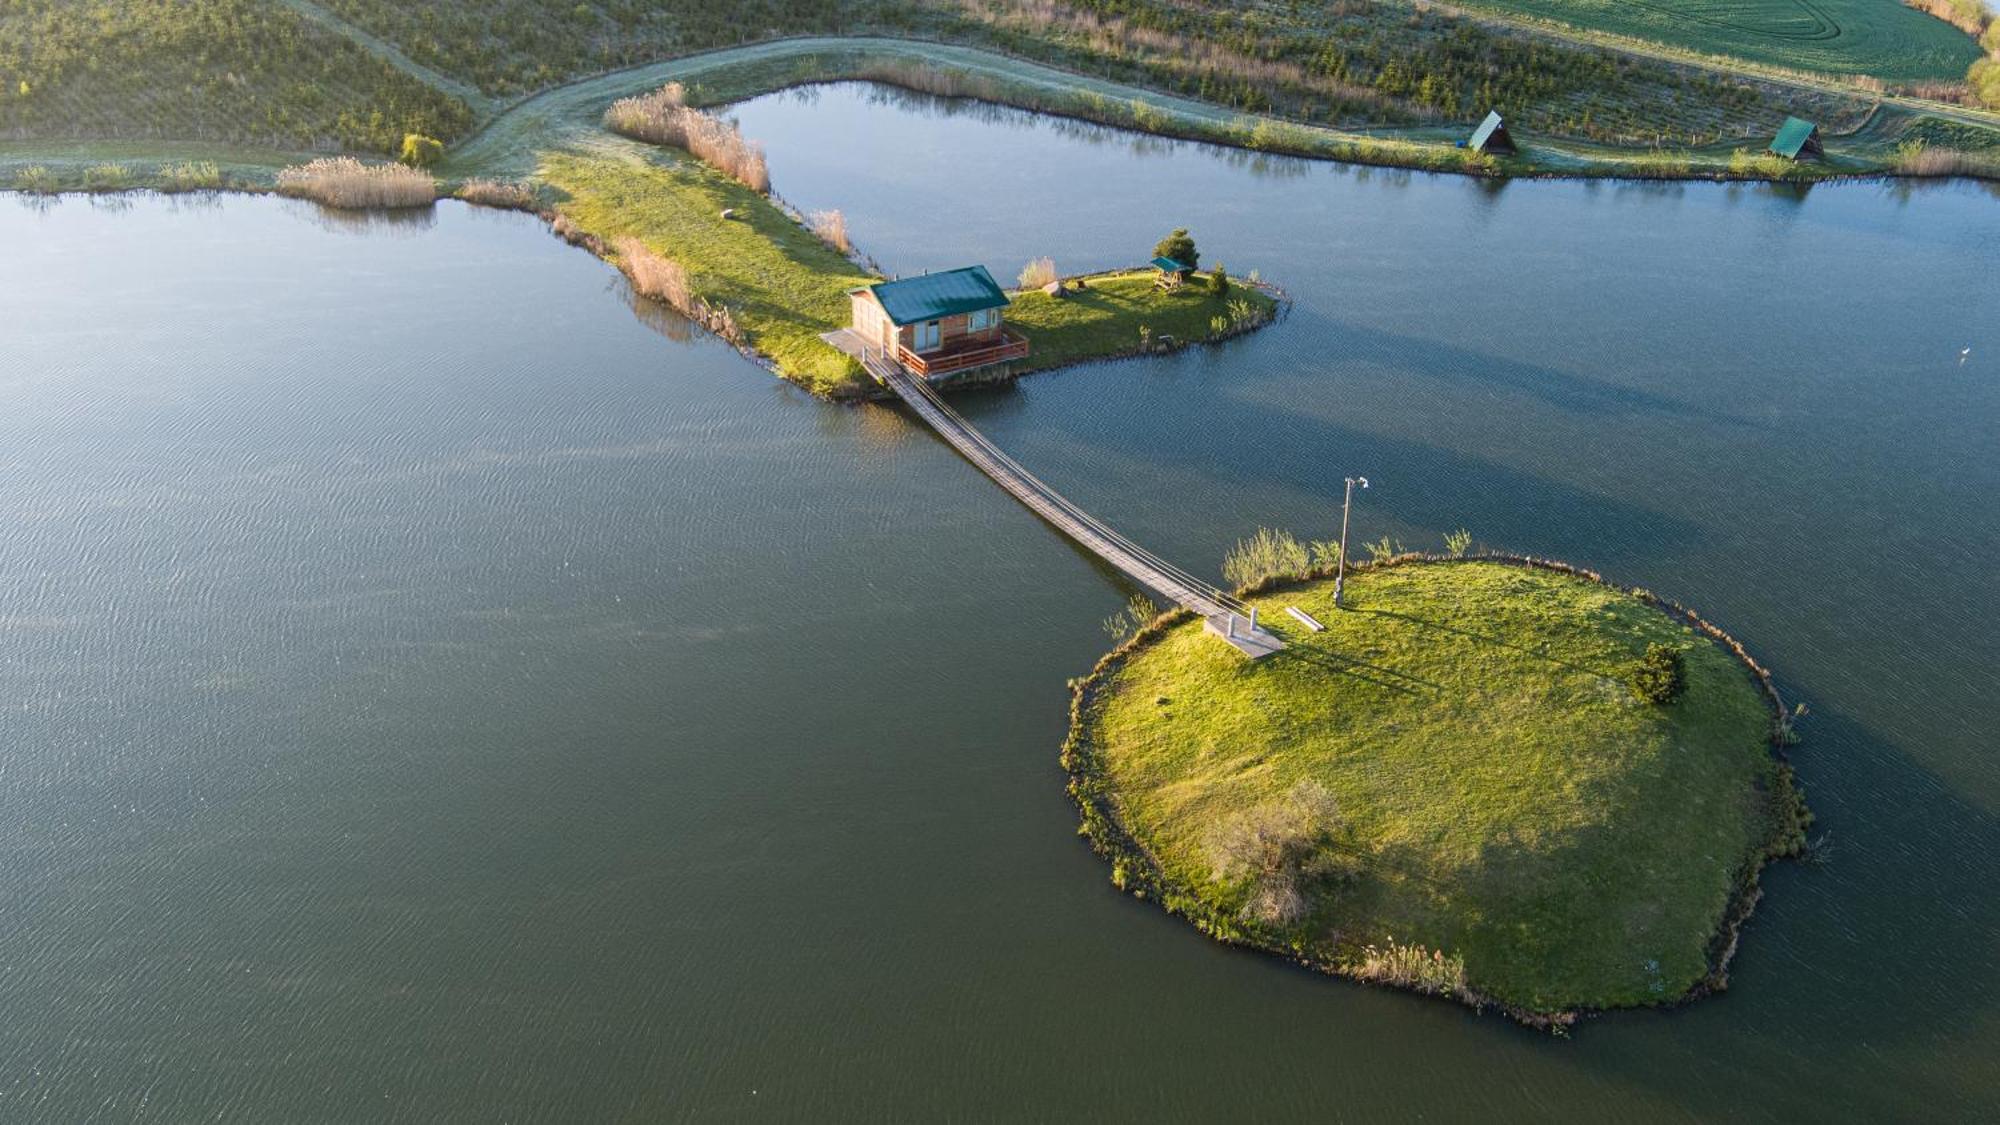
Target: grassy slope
784,285
234,71
1105,318
1515,805
1881,38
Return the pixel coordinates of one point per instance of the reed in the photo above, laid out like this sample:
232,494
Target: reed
107,177
664,117
1038,273
831,227
1414,967
343,181
190,175
1915,158
499,193
663,279
37,179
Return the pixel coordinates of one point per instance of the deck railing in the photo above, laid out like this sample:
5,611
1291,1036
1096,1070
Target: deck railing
1011,346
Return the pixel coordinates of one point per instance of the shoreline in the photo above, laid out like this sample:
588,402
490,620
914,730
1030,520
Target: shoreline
1135,869
545,120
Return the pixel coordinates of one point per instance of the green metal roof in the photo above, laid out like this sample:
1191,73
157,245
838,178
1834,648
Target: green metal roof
933,295
1792,136
1485,131
1169,265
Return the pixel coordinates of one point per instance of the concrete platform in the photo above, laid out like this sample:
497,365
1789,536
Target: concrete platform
1255,644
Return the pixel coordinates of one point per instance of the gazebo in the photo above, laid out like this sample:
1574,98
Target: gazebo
1798,139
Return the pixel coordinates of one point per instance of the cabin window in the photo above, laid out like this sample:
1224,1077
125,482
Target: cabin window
982,320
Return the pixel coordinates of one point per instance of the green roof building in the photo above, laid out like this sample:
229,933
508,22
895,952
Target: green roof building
1798,139
932,324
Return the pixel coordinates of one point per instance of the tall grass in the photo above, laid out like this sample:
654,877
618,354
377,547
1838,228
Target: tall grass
664,279
1270,553
499,193
107,177
831,227
37,179
663,117
1915,158
190,175
342,181
1414,967
1038,273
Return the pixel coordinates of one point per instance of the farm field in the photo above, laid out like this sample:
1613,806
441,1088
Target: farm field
1881,38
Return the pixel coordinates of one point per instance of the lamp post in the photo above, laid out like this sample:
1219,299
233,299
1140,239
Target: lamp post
1340,568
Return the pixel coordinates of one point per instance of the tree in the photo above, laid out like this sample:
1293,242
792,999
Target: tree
1180,247
420,151
1218,280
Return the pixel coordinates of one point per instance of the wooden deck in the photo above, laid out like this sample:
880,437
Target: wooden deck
1224,615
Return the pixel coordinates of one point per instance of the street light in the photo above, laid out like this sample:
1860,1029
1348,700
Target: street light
1340,570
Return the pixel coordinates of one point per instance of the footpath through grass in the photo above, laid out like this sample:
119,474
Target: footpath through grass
1504,801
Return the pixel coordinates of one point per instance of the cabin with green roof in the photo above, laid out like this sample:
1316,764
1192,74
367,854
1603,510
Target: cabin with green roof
1492,136
1798,139
935,323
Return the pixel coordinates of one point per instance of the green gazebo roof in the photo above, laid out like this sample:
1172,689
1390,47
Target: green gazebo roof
1485,131
1169,265
1792,136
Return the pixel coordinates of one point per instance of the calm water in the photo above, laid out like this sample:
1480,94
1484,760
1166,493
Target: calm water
429,690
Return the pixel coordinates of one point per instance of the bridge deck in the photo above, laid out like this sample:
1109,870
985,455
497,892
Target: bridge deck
1223,620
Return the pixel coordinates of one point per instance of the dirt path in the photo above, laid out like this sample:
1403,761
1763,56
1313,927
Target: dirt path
482,106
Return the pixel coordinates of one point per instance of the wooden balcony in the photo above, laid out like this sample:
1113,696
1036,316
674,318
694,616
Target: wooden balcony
1010,346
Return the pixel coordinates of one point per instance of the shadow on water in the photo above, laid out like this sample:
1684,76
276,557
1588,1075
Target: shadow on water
1293,446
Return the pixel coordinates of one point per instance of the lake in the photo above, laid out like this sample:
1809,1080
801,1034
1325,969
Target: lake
431,690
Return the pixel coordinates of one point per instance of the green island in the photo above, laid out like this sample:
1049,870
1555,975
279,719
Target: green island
1456,787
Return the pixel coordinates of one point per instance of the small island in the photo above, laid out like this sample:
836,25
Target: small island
1499,780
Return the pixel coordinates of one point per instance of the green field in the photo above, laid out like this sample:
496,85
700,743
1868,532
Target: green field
1503,798
1881,38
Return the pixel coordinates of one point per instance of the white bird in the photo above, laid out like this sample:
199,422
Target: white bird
1962,354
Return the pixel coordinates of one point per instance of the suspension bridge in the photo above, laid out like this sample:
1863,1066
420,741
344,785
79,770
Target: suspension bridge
1226,616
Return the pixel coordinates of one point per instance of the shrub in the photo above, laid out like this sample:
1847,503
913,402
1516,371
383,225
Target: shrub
419,151
1283,848
1267,554
1660,676
106,177
37,179
499,193
1218,281
1180,247
342,181
1325,553
1038,273
192,175
664,117
831,227
1384,549
1457,542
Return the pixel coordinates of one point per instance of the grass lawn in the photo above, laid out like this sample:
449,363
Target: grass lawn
1105,318
1503,797
784,285
1877,37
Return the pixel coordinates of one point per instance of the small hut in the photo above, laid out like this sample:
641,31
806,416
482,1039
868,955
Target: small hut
1172,272
1492,136
1798,139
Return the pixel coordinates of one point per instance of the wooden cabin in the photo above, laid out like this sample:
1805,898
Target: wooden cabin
1492,136
1172,273
937,323
1798,139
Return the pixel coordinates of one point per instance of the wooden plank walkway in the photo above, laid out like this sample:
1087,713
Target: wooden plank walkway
1222,619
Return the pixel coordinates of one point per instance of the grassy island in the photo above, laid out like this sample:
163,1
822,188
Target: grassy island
1455,787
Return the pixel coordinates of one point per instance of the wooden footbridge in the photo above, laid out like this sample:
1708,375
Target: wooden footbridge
1227,616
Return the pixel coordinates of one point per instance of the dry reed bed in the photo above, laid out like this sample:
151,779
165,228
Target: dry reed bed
343,181
666,280
663,117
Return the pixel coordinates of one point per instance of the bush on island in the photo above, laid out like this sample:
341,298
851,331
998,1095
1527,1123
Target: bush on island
1180,247
419,151
1660,676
